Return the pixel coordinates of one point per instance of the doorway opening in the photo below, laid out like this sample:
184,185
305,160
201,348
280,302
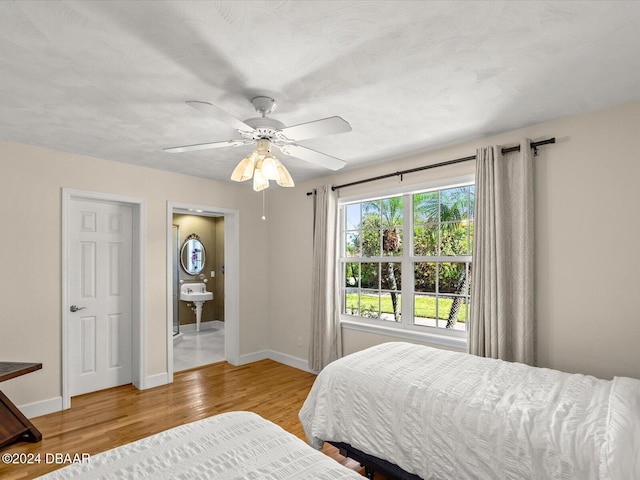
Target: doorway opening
202,255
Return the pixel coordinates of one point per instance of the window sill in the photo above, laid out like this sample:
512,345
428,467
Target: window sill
456,343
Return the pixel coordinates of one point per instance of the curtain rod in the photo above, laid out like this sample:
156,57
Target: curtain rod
534,145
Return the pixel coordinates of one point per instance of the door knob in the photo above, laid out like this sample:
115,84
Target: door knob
75,308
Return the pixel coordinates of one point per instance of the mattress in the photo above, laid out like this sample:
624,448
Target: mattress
235,445
445,415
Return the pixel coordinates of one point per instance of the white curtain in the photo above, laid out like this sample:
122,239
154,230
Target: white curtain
502,298
326,341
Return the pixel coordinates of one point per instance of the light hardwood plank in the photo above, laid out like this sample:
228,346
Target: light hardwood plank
102,420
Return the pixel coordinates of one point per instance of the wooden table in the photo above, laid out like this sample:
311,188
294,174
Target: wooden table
14,426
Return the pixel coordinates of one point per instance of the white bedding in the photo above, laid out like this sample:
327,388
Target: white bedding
447,415
236,445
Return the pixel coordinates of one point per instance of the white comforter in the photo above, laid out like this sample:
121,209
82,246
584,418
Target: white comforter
446,415
236,445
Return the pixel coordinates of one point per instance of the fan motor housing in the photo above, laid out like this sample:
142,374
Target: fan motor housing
264,127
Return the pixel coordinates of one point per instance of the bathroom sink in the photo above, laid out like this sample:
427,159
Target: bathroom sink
195,292
196,296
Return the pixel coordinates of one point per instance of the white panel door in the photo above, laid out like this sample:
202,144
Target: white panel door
100,297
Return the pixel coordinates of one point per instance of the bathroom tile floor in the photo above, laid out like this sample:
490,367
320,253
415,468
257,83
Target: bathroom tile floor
197,349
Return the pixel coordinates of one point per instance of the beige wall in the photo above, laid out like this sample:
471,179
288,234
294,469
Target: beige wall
587,231
31,180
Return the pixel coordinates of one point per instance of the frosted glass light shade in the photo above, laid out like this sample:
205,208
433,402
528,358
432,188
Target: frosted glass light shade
244,170
270,167
260,182
284,179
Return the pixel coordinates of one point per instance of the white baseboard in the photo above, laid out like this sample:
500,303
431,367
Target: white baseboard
43,407
209,325
290,360
154,381
253,357
285,359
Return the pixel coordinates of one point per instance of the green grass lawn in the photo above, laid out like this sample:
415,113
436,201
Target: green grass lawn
425,307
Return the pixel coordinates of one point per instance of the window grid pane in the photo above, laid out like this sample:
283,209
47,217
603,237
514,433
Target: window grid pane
352,244
370,304
442,228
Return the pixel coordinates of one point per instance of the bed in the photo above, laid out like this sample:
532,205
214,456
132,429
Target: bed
437,414
235,445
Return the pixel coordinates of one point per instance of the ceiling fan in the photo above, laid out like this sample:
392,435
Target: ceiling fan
267,132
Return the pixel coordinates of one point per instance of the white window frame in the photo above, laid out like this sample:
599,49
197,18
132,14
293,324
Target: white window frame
405,329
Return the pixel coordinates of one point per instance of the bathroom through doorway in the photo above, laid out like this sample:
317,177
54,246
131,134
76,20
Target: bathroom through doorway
202,240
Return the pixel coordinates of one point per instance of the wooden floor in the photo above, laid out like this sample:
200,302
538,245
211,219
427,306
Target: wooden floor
103,420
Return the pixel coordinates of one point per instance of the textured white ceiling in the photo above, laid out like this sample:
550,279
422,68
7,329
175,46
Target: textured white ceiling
110,78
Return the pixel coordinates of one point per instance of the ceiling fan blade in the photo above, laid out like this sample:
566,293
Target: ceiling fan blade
204,146
311,156
317,128
220,115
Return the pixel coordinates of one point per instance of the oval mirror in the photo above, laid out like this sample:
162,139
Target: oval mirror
192,255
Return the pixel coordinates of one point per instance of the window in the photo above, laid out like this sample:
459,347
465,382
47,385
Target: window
406,260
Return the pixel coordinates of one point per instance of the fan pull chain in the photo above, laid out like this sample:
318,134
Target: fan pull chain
264,217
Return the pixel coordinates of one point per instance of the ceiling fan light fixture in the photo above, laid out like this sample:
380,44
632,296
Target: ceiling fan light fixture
262,166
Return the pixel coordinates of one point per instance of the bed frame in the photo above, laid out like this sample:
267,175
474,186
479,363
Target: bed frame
373,464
